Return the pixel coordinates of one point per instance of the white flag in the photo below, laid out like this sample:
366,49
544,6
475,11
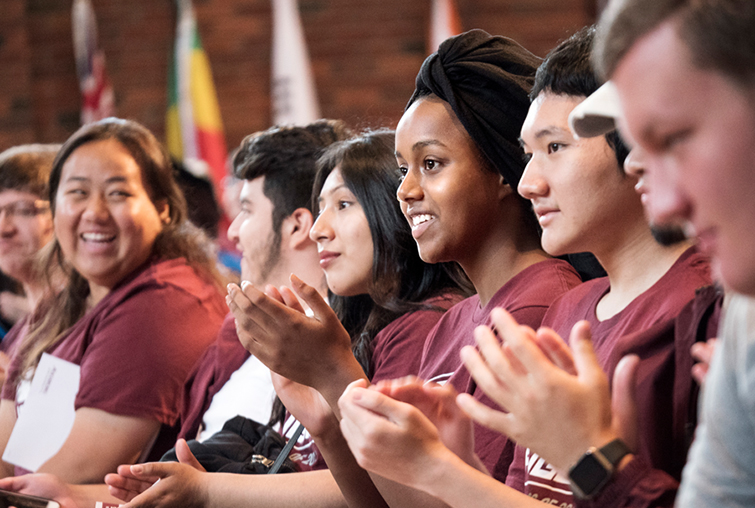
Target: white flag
444,23
293,87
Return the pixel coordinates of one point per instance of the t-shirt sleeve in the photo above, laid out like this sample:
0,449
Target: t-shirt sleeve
398,346
142,351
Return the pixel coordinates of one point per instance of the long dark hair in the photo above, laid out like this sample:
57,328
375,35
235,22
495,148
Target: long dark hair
178,238
401,281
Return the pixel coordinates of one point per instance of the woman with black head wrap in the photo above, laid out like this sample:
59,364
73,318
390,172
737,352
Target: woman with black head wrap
457,147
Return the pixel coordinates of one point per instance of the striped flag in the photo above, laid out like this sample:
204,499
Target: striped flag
294,96
194,130
444,23
98,101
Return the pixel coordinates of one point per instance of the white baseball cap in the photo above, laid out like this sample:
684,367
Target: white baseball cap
597,114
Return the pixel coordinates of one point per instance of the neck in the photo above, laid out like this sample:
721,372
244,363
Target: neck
633,266
493,265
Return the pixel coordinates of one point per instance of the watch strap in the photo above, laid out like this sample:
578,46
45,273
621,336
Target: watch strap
615,451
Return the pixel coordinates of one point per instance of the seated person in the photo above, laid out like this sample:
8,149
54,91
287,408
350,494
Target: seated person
139,305
26,227
584,202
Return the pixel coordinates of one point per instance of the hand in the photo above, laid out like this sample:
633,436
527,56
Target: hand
557,414
180,485
307,406
438,404
308,350
390,438
41,485
702,352
126,485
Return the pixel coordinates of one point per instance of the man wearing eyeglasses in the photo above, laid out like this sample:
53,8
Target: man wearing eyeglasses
25,227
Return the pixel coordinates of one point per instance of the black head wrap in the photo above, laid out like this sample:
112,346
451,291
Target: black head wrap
486,80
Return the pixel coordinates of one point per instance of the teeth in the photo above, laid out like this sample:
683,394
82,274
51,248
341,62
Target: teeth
97,237
421,218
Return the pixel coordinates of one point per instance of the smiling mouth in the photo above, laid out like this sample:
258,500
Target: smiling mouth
418,220
97,237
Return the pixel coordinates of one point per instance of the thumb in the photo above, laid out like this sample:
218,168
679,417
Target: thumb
183,452
624,401
312,298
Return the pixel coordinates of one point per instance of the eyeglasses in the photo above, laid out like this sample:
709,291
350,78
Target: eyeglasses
25,209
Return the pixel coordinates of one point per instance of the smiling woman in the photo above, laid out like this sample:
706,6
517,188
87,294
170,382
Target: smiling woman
141,301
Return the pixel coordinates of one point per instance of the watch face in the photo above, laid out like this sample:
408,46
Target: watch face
589,475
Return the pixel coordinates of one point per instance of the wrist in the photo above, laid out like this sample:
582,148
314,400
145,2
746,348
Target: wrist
589,475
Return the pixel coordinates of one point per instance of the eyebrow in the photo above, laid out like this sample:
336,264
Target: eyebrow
331,191
113,179
422,144
547,131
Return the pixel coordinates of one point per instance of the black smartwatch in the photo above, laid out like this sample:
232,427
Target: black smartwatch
595,468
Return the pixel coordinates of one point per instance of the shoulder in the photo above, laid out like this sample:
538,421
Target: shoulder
538,285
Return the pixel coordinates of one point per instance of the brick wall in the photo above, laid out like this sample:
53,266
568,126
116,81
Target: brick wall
365,54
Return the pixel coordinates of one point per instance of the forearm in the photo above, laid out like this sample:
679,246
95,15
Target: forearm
312,489
454,483
354,482
86,496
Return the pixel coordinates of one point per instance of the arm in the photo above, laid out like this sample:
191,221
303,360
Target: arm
182,486
7,421
98,443
397,441
314,351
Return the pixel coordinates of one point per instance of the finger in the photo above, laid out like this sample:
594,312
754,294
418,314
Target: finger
125,471
556,349
265,311
312,298
272,292
520,341
482,414
153,470
488,381
184,455
700,373
290,299
624,402
585,360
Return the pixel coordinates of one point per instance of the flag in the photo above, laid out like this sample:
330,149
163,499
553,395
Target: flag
194,131
293,86
97,96
444,23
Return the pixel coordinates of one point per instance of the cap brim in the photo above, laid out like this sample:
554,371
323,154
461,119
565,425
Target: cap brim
597,114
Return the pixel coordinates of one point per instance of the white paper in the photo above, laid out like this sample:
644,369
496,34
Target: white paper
47,414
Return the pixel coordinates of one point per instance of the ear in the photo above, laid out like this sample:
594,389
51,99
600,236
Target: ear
296,228
504,189
163,210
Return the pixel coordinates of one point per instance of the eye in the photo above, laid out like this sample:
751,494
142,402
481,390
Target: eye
343,204
555,147
431,164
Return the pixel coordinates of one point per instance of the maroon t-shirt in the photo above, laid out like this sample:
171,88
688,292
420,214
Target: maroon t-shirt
224,357
526,296
653,308
397,352
138,344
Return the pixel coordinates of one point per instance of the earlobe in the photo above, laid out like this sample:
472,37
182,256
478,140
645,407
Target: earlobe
504,187
163,210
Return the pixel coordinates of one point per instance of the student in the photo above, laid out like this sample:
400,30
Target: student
139,307
693,115
26,227
277,169
584,202
358,182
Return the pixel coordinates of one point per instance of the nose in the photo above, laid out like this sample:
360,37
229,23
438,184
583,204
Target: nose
233,229
532,184
634,164
96,208
666,201
7,224
410,189
322,229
